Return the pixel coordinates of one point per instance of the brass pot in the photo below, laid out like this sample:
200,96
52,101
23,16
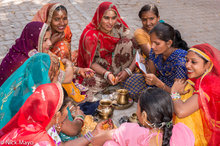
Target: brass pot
105,109
122,96
104,103
133,118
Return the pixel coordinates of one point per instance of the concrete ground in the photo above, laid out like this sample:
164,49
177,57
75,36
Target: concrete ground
197,20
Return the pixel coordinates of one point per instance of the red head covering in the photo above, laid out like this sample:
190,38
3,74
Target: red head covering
91,36
29,124
209,92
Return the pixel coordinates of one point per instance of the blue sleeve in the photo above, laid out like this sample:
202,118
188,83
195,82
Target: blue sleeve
180,69
151,55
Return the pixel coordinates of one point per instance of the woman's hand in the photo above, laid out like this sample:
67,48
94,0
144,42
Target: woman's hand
86,72
57,37
179,86
151,79
67,62
122,76
77,111
99,128
68,71
111,79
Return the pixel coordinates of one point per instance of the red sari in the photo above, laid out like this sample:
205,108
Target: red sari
208,87
28,125
91,36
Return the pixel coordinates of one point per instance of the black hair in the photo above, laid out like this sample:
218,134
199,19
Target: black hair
166,32
158,105
149,7
61,7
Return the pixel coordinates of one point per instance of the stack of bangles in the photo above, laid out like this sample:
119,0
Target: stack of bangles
175,96
128,71
81,118
88,136
106,73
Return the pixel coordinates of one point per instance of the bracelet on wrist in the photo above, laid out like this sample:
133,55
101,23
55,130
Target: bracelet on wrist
61,76
88,136
80,118
106,73
128,71
175,96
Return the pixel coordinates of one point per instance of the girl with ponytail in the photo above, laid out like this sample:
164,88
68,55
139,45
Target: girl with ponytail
155,114
166,61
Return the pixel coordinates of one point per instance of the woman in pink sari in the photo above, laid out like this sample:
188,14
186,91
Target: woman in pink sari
155,114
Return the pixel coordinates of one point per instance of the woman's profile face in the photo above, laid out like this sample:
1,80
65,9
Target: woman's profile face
108,21
195,65
159,46
149,20
59,21
46,42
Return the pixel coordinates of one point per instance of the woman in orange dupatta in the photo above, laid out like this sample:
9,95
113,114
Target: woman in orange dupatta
203,66
106,47
55,15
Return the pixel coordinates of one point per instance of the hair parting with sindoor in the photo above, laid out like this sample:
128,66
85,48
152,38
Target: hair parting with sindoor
61,7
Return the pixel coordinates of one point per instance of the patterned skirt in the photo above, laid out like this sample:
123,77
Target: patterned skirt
135,85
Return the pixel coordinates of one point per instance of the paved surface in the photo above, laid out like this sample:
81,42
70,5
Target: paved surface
197,20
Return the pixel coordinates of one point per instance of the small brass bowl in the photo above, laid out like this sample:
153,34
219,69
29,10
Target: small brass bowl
133,118
104,103
122,96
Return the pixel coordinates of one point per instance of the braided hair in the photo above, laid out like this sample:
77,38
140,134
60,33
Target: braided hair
157,103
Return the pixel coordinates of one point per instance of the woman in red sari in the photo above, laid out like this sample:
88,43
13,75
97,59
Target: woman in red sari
41,111
29,125
203,66
106,47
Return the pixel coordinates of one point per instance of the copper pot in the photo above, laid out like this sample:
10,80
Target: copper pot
122,96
